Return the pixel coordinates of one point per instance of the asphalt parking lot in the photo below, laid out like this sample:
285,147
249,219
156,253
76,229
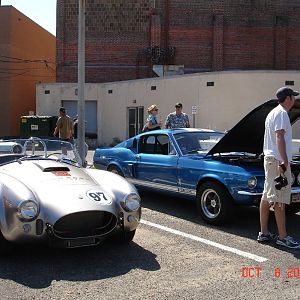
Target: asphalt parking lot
174,255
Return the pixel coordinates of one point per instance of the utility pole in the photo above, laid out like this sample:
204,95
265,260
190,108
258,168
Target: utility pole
81,81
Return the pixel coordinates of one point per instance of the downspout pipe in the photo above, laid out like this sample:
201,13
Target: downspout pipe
167,23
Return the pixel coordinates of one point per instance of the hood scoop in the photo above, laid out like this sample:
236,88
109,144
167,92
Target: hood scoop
50,166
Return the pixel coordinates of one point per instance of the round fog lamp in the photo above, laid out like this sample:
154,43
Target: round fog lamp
26,228
252,182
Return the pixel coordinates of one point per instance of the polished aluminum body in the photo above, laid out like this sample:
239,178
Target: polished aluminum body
47,196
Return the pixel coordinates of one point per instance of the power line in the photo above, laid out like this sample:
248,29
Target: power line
20,69
18,59
9,75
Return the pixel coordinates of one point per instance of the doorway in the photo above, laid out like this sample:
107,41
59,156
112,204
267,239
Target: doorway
135,120
90,114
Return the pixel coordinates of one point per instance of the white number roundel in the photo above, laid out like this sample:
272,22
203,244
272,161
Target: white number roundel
100,197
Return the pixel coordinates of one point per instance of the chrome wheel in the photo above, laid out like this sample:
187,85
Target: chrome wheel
210,203
214,203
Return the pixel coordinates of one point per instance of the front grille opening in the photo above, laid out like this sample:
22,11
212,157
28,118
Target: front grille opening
83,224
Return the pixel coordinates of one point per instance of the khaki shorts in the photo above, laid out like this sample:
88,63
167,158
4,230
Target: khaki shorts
270,193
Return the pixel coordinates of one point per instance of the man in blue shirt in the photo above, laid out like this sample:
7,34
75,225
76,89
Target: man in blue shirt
177,119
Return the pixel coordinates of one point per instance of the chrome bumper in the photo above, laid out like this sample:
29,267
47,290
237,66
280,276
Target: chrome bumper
294,191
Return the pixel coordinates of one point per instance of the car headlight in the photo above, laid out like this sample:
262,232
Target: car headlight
252,182
28,210
131,202
298,178
293,179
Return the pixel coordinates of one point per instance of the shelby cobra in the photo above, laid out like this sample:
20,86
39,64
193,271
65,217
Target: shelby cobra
218,171
46,196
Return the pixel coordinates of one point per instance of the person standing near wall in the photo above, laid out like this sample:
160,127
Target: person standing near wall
152,123
277,156
64,126
177,119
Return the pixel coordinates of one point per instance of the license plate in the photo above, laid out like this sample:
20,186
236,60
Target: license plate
80,242
295,198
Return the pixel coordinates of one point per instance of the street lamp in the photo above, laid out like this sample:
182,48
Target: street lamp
81,81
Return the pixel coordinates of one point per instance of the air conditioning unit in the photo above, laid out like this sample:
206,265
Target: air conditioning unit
168,70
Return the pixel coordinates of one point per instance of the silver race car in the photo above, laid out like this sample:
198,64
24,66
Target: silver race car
47,196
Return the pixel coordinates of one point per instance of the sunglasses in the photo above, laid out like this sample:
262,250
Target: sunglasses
156,109
178,106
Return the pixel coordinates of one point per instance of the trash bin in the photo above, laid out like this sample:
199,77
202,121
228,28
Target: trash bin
38,126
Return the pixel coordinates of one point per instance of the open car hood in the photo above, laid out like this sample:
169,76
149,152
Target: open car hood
248,134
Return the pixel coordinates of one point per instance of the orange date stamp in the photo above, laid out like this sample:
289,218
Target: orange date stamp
257,272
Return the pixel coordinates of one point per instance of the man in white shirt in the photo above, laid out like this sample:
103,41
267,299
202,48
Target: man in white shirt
277,157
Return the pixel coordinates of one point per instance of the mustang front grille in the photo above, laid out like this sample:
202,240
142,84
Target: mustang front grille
83,224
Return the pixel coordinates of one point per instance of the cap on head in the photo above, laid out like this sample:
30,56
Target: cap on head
284,92
62,109
178,105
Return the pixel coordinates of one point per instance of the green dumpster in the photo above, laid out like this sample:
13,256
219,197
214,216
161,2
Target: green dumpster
39,126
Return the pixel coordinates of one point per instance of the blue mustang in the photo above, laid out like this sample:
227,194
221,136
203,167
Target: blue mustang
217,170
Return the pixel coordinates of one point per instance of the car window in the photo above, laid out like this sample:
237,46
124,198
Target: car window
162,144
197,142
156,144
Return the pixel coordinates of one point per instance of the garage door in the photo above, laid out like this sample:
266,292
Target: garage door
90,114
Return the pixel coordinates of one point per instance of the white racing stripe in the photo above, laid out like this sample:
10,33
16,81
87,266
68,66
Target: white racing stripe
207,242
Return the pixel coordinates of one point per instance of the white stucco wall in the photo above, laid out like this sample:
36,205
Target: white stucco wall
220,106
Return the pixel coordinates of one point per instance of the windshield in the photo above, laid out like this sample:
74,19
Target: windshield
197,142
41,148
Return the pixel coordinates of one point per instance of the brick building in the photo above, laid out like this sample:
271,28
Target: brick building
125,38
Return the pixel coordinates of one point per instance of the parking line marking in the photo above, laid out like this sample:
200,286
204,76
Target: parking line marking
207,242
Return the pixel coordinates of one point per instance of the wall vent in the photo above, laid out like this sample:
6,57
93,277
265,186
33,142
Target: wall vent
289,82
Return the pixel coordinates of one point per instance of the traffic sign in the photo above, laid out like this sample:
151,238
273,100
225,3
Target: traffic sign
194,109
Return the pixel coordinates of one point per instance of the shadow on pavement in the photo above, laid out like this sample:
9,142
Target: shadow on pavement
245,222
39,266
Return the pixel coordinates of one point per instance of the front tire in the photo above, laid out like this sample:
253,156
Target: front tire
293,208
214,203
127,236
5,246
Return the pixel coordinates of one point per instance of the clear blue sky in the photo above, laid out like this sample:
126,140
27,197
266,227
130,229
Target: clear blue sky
43,12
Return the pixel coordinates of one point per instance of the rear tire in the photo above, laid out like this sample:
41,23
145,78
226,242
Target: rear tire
214,203
115,170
